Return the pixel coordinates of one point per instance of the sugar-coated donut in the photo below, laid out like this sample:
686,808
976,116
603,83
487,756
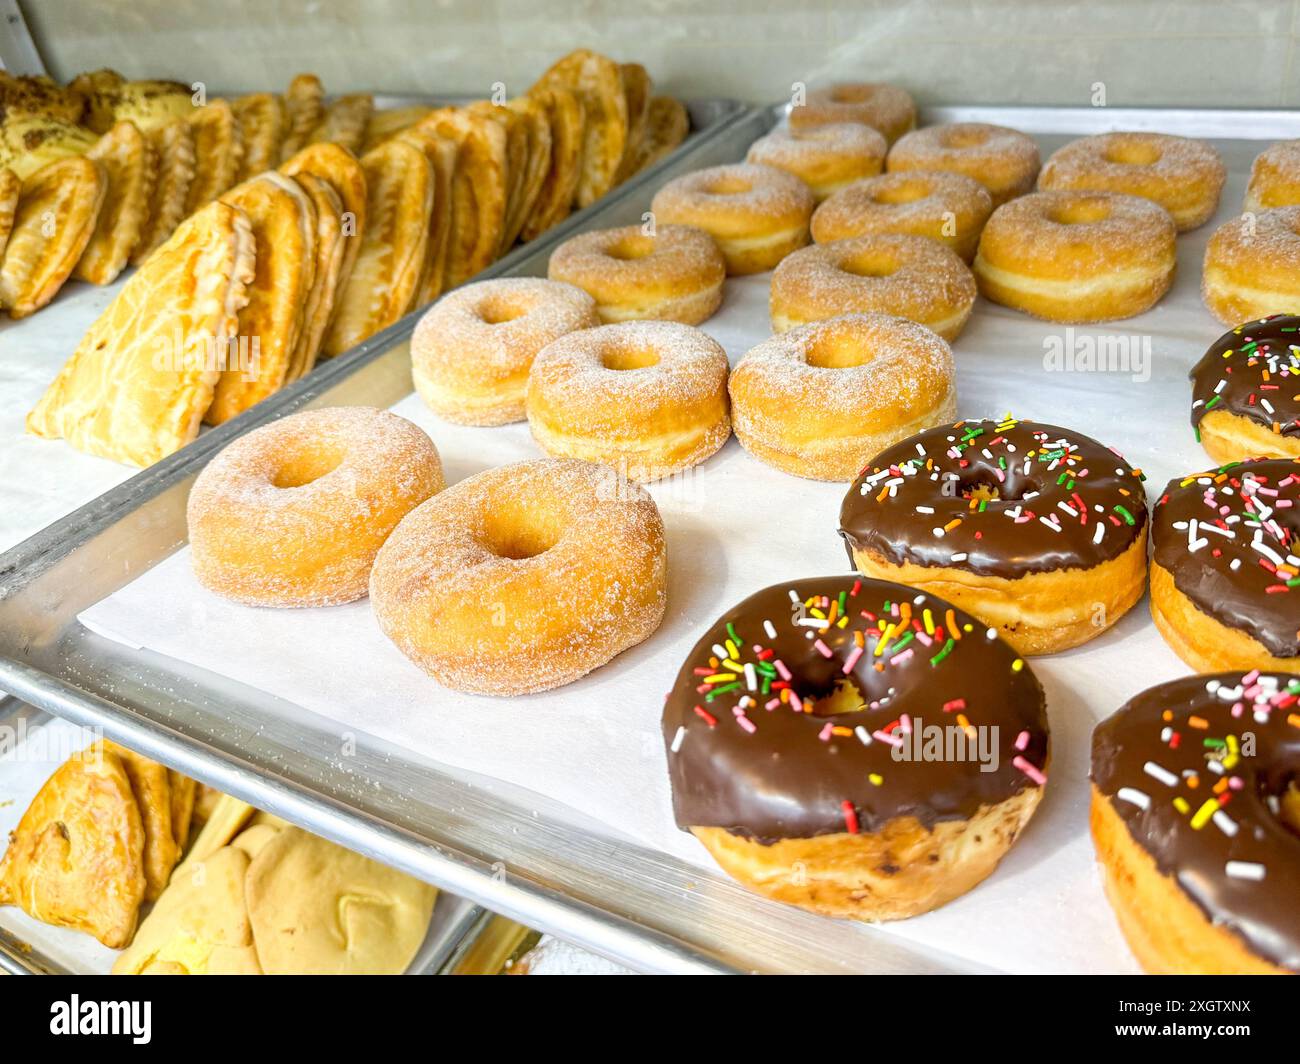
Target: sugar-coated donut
524,577
471,352
1246,392
1196,821
648,398
795,734
1077,256
1184,176
1275,177
820,400
825,158
757,214
293,513
674,273
1252,266
1038,531
1223,565
885,108
912,277
950,208
1005,161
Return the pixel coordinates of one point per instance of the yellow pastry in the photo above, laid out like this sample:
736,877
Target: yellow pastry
172,146
218,151
131,170
151,785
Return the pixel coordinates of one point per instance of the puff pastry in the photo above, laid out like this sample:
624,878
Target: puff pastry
537,124
565,114
387,123
172,145
344,122
262,127
668,126
442,157
638,89
76,858
284,229
184,791
218,151
304,104
10,186
329,260
55,219
598,81
29,142
144,373
151,786
39,95
110,98
131,169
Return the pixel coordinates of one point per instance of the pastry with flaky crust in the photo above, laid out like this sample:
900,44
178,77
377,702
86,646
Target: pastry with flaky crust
637,90
304,105
143,375
668,124
218,153
344,122
555,199
441,154
28,142
319,308
537,125
54,221
598,82
10,186
151,786
76,857
131,171
172,147
262,127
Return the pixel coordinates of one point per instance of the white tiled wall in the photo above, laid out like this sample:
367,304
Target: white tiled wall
1240,53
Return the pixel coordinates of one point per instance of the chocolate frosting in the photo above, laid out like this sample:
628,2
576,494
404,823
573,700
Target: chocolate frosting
1253,372
1063,500
1227,537
1174,765
748,750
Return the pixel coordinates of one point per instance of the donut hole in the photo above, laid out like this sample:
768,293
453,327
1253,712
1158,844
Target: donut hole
1131,153
1079,212
631,248
727,185
297,469
624,358
851,93
837,351
844,697
965,137
518,532
496,310
903,192
870,265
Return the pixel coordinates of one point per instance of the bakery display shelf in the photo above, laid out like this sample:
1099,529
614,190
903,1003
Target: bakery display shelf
511,851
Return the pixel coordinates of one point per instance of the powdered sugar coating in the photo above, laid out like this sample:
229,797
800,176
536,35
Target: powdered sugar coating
739,199
913,277
1252,266
885,108
825,158
1183,176
293,513
1275,177
524,577
649,398
471,352
951,208
1005,161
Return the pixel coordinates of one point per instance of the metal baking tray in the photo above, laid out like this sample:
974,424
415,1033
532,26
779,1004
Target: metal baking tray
510,851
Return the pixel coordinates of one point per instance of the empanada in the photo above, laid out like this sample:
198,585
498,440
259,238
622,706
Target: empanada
387,123
263,125
131,169
224,820
10,186
218,151
56,214
284,227
304,105
442,155
381,288
77,857
538,128
565,113
143,375
184,790
345,122
598,81
151,785
516,166
667,127
37,94
29,142
329,260
172,145
318,909
637,89
149,104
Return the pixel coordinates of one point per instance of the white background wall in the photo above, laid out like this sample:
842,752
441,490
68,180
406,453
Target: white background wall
1191,52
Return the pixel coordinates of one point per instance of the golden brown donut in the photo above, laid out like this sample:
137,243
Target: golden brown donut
950,208
674,273
757,214
1184,176
825,158
293,513
912,277
524,577
1077,256
820,400
648,398
1274,177
471,352
885,108
1005,161
1252,266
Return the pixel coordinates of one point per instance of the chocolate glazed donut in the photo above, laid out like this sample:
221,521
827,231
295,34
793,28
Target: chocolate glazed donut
1196,819
782,730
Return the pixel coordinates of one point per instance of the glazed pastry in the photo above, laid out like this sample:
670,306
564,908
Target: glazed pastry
648,398
757,214
1246,392
1077,256
825,158
1184,176
820,400
885,108
1252,266
912,277
1038,531
472,350
1223,566
293,513
1005,161
568,559
950,208
672,274
793,732
1196,820
1274,178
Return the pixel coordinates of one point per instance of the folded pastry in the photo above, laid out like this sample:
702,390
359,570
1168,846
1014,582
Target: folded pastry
183,791
110,98
151,786
39,95
10,186
537,124
344,122
172,146
637,90
330,244
29,142
441,154
131,169
304,104
218,153
598,82
263,125
565,114
144,373
387,123
516,165
667,127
